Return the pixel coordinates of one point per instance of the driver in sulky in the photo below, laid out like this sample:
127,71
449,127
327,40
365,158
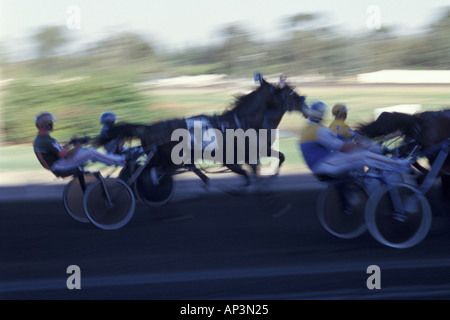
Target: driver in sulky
327,155
61,159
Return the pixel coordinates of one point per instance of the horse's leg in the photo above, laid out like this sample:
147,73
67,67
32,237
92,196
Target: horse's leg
281,159
200,174
254,168
234,166
237,168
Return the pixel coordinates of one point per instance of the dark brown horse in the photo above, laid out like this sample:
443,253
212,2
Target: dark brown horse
427,129
248,112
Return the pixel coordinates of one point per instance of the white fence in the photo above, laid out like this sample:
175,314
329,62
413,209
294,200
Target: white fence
405,76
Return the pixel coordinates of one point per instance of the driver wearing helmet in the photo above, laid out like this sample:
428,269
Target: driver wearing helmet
116,146
327,155
108,119
60,159
338,126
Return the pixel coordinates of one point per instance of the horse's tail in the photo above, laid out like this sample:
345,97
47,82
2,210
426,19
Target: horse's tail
121,131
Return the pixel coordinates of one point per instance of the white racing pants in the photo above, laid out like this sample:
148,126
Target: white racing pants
340,163
85,154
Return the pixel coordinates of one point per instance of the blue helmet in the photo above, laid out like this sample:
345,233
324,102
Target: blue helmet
317,111
108,117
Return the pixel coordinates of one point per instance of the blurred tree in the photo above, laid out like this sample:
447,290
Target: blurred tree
306,48
439,43
309,46
303,20
3,55
125,46
430,50
49,40
238,49
381,49
126,51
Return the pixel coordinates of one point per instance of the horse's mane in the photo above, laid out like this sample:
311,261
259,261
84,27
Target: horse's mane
241,103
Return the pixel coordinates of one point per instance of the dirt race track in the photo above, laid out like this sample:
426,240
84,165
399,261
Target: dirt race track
212,246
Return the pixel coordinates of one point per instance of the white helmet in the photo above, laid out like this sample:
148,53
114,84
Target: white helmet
44,121
317,111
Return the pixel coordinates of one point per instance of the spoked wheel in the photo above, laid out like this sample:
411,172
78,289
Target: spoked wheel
341,209
398,229
109,203
154,187
73,198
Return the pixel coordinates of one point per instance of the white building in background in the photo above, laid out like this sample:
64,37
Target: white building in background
406,76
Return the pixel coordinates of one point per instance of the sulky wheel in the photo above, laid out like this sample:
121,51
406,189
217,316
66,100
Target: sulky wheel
341,209
154,187
73,197
109,203
398,228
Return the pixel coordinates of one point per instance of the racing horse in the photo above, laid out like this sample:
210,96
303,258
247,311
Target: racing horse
272,119
426,129
247,112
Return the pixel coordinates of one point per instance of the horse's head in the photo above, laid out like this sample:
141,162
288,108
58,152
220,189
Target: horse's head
293,101
284,98
276,99
432,127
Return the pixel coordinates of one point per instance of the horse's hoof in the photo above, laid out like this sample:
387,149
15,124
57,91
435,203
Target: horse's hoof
206,185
